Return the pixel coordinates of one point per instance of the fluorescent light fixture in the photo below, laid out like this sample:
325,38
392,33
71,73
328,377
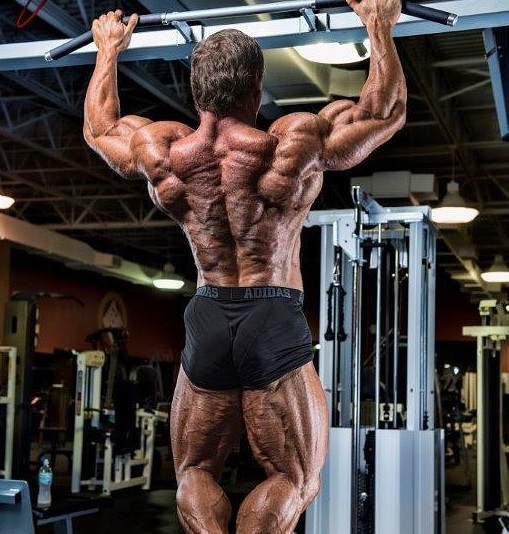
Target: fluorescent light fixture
498,272
335,53
302,100
453,209
5,201
168,283
168,280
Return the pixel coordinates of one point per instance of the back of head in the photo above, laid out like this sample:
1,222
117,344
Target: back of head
226,68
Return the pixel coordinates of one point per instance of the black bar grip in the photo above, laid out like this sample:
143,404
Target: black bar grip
429,13
69,46
154,19
408,8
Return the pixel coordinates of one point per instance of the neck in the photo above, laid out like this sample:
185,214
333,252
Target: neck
244,115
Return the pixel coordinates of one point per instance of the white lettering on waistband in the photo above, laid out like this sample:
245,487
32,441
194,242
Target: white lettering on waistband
206,291
266,292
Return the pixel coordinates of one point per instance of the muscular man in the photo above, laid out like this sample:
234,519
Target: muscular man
241,196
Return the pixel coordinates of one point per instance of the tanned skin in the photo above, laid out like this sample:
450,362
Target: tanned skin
241,196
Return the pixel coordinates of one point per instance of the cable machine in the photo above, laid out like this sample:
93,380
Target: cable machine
384,471
492,480
8,399
102,457
20,331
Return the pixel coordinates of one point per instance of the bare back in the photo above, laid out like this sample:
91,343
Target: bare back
240,195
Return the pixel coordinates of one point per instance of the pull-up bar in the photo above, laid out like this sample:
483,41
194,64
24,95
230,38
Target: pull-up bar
165,19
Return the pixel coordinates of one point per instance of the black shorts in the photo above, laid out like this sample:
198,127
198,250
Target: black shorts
244,337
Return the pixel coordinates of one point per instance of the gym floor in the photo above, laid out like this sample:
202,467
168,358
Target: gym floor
134,511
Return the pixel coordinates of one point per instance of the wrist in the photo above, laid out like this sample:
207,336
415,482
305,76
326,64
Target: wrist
107,54
380,34
379,25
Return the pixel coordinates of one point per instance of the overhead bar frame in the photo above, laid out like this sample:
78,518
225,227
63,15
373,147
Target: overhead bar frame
409,8
341,26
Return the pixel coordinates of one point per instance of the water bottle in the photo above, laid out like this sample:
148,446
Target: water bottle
45,479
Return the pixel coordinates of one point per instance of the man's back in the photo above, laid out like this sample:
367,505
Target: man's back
241,196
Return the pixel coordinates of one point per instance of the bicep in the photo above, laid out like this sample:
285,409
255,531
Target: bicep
353,133
115,145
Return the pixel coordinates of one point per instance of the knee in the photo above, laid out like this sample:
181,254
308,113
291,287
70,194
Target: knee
195,485
202,505
303,489
192,480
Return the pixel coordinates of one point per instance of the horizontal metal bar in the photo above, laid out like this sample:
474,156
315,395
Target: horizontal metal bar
409,8
292,31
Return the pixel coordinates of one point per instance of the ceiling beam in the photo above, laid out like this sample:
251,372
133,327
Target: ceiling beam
114,225
77,166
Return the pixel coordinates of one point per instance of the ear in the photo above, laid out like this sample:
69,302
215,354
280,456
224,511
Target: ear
258,94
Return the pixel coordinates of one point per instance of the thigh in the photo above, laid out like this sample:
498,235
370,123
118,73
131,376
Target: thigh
204,426
287,425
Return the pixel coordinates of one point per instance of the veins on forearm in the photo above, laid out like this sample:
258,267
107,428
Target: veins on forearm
379,98
102,101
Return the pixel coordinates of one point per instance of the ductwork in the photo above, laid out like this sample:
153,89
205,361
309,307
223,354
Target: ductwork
76,254
418,188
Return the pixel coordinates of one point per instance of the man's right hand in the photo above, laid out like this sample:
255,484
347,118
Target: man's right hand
110,33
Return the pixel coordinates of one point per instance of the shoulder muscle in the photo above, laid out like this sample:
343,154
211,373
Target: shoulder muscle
300,141
151,146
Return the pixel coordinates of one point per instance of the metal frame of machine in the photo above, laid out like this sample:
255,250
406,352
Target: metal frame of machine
492,488
382,474
117,469
9,400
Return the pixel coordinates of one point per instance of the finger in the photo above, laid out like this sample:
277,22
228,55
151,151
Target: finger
131,24
354,4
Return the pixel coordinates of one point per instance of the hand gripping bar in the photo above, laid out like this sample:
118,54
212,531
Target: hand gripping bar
157,19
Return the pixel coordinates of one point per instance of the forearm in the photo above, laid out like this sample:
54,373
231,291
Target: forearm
385,86
102,105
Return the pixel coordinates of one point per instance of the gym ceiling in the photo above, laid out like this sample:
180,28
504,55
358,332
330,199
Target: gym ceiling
452,128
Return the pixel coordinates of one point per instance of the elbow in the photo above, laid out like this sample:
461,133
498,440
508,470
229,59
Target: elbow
87,134
89,137
398,115
88,131
401,121
400,108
